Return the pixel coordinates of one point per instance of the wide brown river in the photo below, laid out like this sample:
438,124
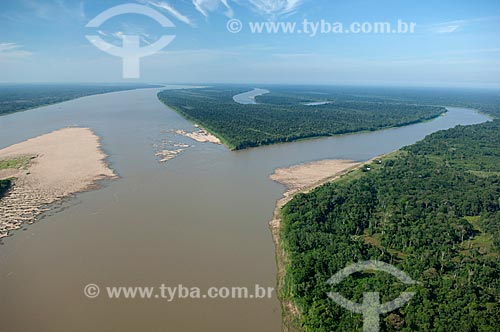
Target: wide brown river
199,220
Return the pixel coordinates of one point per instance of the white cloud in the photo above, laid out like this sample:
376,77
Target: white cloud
268,8
207,6
118,37
472,51
455,26
12,51
51,10
5,47
447,29
275,8
172,11
118,34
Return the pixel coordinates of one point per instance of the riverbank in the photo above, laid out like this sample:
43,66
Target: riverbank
47,169
300,179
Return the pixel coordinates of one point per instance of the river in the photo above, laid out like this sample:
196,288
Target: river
200,219
248,98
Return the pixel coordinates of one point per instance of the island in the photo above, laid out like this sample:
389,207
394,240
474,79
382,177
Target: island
290,114
42,171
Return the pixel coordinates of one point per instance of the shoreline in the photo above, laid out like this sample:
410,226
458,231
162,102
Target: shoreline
300,179
48,169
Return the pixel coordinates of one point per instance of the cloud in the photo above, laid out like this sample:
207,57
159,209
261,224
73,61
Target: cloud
206,6
118,37
118,34
13,51
268,8
447,29
172,11
473,51
275,8
56,9
457,25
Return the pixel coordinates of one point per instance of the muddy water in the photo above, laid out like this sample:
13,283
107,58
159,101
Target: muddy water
199,220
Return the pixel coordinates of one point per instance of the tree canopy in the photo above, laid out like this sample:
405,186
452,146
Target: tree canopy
432,209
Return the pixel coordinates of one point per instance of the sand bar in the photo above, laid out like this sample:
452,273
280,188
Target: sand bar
166,155
200,135
300,177
61,163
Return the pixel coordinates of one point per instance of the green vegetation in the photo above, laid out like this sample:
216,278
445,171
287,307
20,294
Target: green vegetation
483,100
4,186
17,163
432,209
282,116
20,97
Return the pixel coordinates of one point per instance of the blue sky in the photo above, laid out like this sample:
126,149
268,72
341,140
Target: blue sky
456,43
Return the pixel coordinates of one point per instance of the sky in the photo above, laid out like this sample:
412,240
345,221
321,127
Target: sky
454,43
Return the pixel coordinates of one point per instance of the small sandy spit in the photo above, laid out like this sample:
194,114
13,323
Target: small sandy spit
61,163
200,135
299,177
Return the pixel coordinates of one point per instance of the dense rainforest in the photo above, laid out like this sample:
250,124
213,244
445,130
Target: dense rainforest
485,100
20,97
283,116
431,209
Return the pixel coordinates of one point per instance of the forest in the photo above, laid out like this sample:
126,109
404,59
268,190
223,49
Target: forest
432,209
20,97
283,116
484,100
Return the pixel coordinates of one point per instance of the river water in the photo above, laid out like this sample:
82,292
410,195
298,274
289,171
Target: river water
248,98
199,220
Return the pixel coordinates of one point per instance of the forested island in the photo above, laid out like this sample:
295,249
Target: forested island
431,209
288,114
21,97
